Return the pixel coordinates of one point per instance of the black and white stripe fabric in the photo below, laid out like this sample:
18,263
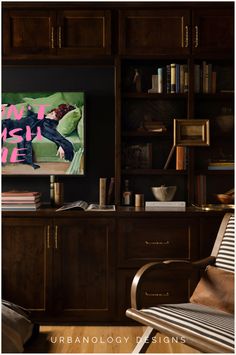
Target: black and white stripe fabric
225,257
196,320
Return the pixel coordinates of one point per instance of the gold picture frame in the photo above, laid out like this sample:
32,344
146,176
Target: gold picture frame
191,132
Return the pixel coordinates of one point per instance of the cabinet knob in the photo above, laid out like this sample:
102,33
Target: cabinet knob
186,42
59,36
52,38
56,237
150,294
196,42
48,237
157,242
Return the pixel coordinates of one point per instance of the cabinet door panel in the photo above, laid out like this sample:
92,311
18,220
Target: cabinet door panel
26,263
28,33
143,240
154,32
158,287
84,32
213,30
85,269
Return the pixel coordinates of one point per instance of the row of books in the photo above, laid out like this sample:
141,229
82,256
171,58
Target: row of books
171,79
221,165
204,78
20,201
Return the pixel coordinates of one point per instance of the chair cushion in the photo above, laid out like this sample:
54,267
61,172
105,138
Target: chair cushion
200,324
215,289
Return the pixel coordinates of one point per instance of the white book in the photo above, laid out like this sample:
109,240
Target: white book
167,209
165,204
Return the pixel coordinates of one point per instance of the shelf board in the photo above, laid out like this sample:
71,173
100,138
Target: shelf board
145,134
217,96
153,172
147,96
215,172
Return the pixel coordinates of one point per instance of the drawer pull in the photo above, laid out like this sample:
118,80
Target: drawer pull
48,237
149,294
157,242
56,237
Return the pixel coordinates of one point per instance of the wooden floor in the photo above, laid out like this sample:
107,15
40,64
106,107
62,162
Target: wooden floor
100,339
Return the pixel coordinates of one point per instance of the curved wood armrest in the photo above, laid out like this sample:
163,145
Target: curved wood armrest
181,265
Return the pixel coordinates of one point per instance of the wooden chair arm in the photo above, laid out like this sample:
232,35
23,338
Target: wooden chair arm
180,265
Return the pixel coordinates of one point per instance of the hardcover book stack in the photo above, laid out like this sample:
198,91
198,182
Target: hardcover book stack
20,201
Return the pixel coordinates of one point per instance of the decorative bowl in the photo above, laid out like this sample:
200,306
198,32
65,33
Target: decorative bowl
164,193
225,198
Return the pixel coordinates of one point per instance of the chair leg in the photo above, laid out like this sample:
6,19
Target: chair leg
145,341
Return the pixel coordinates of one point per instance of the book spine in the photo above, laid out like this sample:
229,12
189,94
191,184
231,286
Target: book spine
160,80
181,78
204,77
165,204
180,158
168,79
197,86
213,82
102,191
185,79
201,190
173,78
209,78
177,78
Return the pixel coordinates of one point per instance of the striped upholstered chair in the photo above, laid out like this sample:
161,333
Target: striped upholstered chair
206,322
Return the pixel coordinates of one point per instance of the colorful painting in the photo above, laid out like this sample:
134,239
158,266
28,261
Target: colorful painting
43,133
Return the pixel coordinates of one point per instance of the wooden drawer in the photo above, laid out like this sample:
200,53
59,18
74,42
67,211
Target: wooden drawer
148,239
158,287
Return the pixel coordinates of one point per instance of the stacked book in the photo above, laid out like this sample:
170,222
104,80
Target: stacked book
177,206
204,78
20,201
221,165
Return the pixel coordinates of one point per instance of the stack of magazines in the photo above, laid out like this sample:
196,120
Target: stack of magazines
20,201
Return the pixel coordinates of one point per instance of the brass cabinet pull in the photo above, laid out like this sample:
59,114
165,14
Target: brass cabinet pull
186,42
48,237
52,38
56,237
59,36
157,242
196,37
149,294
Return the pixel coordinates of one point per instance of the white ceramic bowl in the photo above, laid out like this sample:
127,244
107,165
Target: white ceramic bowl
164,193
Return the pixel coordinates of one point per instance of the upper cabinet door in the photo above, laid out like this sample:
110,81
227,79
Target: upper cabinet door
164,31
81,33
28,33
213,30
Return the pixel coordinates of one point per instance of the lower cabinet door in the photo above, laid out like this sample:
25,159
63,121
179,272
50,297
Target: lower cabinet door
159,287
84,269
27,263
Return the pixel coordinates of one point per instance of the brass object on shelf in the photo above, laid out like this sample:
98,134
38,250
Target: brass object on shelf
215,207
196,37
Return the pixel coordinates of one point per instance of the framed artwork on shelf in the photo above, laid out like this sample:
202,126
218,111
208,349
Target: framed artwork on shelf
138,156
191,132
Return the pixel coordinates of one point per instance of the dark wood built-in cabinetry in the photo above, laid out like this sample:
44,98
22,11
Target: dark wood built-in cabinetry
60,267
78,266
40,34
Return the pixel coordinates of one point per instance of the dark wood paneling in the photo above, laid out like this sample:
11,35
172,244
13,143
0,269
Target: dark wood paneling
214,31
153,31
26,262
144,240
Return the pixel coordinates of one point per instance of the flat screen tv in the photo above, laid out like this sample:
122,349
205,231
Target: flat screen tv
43,133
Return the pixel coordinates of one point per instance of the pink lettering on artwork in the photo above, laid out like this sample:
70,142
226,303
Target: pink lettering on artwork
15,133
14,155
41,110
12,110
